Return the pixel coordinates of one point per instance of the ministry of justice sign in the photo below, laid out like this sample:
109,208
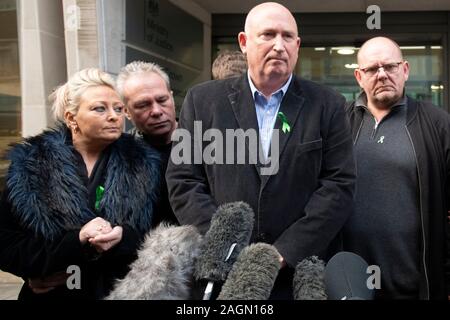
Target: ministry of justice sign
163,28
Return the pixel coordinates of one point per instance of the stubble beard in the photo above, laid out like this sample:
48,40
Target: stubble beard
386,100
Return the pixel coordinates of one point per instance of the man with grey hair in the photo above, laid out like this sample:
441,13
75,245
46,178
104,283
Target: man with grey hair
145,89
402,149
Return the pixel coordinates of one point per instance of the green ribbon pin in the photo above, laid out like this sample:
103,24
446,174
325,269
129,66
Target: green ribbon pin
285,127
98,196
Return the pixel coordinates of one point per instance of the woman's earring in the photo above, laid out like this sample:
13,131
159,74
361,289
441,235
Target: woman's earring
74,127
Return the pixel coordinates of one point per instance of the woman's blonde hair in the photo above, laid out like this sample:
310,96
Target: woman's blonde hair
68,96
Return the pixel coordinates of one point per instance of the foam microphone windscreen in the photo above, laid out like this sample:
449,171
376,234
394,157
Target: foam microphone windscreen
346,278
253,274
164,267
229,233
309,280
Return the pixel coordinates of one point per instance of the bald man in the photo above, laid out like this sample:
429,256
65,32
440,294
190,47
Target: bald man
302,201
402,149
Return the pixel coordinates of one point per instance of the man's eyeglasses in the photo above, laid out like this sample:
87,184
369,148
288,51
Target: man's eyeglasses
390,68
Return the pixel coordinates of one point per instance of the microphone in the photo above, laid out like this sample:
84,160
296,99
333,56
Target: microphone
346,278
229,233
309,282
253,275
164,267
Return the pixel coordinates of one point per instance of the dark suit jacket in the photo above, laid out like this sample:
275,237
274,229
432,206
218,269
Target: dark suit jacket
301,209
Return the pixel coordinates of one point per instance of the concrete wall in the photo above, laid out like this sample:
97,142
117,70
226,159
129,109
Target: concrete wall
42,59
111,31
81,34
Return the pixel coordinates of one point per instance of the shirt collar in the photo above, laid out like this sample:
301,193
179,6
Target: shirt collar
283,89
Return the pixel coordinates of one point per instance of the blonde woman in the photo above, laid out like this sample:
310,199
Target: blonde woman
79,198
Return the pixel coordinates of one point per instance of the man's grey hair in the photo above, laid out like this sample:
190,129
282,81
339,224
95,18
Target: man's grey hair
140,67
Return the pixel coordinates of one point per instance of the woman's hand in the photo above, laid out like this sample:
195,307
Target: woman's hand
94,228
105,241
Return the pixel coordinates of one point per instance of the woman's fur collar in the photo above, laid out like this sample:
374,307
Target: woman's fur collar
48,197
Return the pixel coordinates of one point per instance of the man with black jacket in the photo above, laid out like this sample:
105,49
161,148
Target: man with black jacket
297,125
145,89
402,149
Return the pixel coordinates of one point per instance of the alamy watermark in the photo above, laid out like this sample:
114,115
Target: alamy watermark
374,280
229,149
74,280
374,21
73,18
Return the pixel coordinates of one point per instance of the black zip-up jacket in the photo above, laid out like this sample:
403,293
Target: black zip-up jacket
428,128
